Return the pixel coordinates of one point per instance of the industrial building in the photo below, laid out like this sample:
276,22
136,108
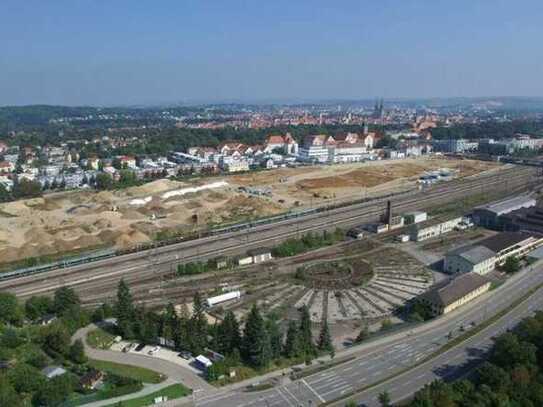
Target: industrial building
415,217
427,230
490,215
525,219
507,244
470,259
449,295
255,256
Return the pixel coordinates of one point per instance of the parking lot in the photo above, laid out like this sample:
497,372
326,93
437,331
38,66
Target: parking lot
162,353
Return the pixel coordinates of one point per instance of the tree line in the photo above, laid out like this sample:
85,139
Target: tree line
258,345
512,375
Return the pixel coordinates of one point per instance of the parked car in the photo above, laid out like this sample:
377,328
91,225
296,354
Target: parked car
139,347
154,350
185,355
128,347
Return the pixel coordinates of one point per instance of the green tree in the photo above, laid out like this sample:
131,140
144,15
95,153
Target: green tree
511,265
198,325
77,352
292,341
10,311
124,310
5,195
104,181
26,189
384,399
55,391
64,299
256,342
37,307
8,395
56,340
325,341
306,337
228,335
276,338
25,378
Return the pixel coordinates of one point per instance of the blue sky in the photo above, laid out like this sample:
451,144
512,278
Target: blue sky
142,52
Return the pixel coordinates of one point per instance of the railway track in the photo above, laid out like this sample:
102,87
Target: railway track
99,280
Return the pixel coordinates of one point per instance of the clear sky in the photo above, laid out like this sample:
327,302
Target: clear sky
106,52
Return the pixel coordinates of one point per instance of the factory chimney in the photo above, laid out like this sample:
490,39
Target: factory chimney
389,214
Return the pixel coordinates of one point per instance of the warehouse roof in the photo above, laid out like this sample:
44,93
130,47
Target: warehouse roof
451,291
509,205
504,240
473,254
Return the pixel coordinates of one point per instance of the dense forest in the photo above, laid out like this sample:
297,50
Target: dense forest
511,377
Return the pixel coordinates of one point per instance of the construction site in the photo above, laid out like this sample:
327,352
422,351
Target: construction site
76,222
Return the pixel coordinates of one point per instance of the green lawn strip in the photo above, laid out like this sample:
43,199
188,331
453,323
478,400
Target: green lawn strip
172,392
444,348
100,339
134,372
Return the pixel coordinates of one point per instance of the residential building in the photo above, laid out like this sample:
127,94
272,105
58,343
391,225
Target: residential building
6,167
235,165
470,259
315,148
287,143
456,146
449,295
91,379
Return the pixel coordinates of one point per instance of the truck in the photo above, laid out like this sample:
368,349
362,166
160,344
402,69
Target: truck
232,295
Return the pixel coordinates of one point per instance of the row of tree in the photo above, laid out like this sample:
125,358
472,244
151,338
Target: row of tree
512,376
308,241
261,341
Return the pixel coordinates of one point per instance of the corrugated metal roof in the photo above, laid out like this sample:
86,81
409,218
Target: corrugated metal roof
509,205
473,254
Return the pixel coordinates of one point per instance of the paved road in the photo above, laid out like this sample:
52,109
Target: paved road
175,372
391,355
144,271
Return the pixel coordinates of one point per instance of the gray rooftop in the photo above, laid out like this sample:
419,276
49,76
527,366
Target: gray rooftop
451,291
473,254
509,205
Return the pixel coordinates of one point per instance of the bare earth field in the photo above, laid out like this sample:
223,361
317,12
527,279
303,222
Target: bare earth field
83,220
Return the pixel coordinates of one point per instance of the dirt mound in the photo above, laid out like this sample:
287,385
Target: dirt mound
155,187
126,240
192,204
131,214
102,223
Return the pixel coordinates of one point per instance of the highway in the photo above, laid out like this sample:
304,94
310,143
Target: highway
394,354
144,271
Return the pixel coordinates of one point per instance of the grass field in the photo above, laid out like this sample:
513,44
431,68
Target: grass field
133,372
100,339
172,392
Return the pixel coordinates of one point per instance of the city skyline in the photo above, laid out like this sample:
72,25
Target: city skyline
103,54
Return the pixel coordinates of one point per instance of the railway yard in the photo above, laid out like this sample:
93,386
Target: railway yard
352,284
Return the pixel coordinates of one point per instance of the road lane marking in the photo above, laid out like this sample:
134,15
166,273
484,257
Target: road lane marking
313,391
344,387
285,398
291,395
